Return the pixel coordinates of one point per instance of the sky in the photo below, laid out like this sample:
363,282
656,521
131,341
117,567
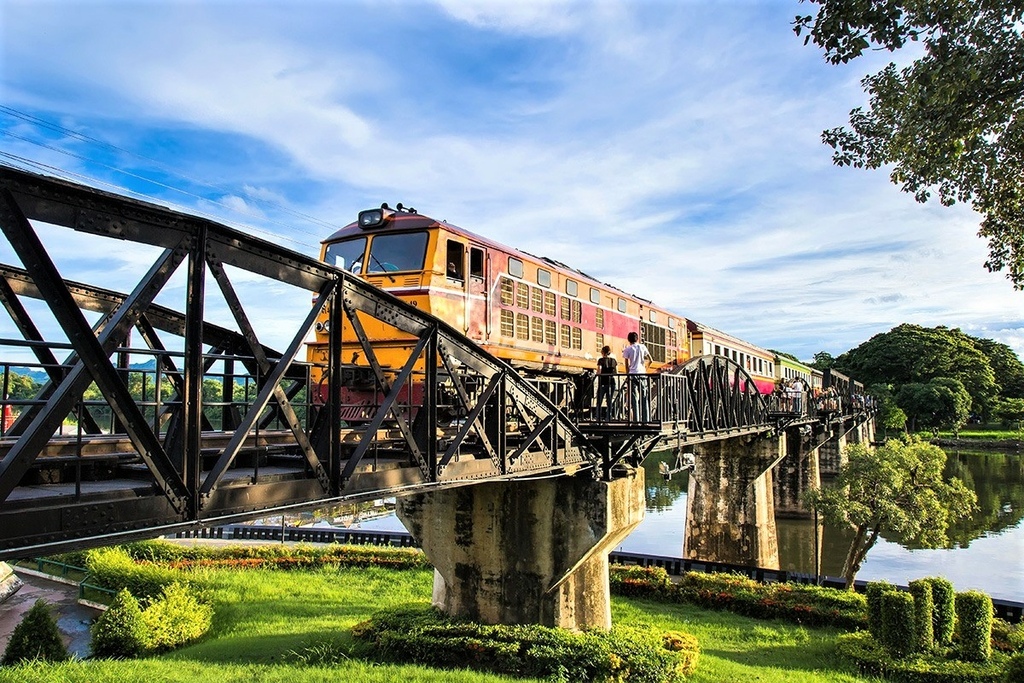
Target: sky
669,148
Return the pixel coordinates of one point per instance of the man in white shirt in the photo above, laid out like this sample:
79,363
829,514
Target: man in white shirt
637,358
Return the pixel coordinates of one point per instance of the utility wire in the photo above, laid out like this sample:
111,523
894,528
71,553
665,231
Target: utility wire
42,123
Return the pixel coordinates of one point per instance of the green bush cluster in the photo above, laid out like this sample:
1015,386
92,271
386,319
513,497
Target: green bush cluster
924,609
115,569
425,636
173,618
120,632
974,626
1015,669
896,631
808,605
943,615
279,556
873,593
1007,637
874,660
36,637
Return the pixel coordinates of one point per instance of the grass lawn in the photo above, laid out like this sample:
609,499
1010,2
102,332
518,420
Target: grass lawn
264,617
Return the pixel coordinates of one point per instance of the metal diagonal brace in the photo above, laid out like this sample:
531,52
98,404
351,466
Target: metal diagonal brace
263,397
247,330
93,352
385,407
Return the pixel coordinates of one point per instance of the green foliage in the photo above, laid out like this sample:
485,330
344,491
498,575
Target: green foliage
115,569
1015,669
175,618
940,402
897,632
873,660
924,607
823,361
802,604
275,555
425,636
1007,637
943,610
974,626
1009,411
35,637
1006,365
947,122
120,632
874,592
897,487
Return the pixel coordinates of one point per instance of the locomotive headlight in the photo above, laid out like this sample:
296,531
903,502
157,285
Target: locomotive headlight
324,326
371,218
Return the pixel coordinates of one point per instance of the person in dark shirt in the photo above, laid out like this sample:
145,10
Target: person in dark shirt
607,367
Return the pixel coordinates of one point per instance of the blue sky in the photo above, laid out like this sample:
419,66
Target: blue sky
670,148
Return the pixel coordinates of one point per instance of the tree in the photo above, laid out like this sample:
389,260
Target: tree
890,415
914,354
952,121
823,361
1006,365
36,637
896,488
1010,410
941,402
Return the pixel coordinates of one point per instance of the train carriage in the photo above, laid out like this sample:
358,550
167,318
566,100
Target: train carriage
759,363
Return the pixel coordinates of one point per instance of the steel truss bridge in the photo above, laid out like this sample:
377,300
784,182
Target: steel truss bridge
203,423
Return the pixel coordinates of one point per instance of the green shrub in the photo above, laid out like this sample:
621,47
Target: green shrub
1015,669
688,648
943,614
639,582
874,592
873,660
115,569
425,636
1007,637
974,626
35,637
924,638
897,623
120,632
175,618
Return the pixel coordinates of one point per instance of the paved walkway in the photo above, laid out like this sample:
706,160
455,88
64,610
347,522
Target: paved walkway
72,619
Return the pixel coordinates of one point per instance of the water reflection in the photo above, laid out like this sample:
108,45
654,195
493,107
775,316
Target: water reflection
986,553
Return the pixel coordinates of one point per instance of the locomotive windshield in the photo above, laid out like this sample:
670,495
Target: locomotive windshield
388,253
347,254
404,251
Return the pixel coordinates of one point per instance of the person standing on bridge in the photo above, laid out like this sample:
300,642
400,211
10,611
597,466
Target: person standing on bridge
607,366
637,358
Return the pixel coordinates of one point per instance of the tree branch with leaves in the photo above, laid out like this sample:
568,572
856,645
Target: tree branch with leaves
951,123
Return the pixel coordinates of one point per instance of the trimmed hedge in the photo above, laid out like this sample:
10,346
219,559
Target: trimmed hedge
425,636
943,614
974,626
897,629
1015,669
808,605
873,593
278,556
36,637
175,618
120,632
924,634
115,569
872,660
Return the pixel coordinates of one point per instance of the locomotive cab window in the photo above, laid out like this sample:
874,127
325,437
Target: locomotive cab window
476,263
389,253
456,261
347,254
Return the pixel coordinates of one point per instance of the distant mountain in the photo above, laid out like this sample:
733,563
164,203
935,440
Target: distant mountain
40,376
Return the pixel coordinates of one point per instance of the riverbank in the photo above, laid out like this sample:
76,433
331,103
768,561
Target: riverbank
1008,445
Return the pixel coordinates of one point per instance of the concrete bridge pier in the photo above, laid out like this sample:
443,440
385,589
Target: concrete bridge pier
526,551
796,474
831,456
730,515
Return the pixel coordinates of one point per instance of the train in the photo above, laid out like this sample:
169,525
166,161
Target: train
543,317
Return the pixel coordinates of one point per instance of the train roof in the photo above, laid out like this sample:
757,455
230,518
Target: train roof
410,220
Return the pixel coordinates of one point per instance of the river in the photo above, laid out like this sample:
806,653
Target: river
987,550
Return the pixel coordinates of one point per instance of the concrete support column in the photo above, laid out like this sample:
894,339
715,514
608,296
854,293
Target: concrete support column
730,514
831,456
526,551
795,475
